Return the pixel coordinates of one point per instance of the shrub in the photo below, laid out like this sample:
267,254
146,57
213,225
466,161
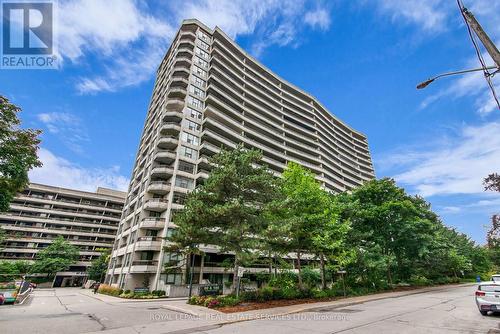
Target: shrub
159,293
285,280
248,296
126,292
311,277
266,293
109,290
419,280
229,300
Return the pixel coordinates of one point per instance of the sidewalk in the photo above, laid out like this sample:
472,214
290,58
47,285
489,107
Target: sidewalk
112,299
292,309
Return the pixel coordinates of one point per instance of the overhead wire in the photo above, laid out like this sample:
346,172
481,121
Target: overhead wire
486,72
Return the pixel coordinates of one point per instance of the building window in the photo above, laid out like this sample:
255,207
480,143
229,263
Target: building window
203,36
200,62
202,44
198,81
196,91
186,167
184,182
190,139
201,53
199,71
192,125
179,198
194,113
195,102
189,152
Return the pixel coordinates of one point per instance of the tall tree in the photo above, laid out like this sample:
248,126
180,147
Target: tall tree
18,153
309,220
390,229
492,182
228,210
98,267
58,256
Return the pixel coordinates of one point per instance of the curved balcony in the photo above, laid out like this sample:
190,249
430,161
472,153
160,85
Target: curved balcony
180,72
177,92
164,157
172,116
202,173
148,243
168,143
179,82
159,187
162,171
144,266
152,223
174,104
156,204
169,128
183,61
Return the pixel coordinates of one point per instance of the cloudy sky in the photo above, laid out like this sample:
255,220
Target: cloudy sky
362,59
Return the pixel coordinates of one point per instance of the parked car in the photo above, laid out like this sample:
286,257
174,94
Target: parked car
488,297
495,278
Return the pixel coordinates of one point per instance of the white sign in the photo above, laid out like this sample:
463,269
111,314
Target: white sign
241,271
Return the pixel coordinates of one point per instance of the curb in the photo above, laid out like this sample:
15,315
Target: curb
347,303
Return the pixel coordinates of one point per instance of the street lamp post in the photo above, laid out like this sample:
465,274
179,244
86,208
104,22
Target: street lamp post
424,84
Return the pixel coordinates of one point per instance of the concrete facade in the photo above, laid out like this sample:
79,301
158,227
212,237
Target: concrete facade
40,213
209,93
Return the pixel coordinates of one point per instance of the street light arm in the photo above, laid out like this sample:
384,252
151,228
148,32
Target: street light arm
424,84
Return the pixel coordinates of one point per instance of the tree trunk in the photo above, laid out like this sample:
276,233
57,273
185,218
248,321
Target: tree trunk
389,276
270,264
235,274
275,267
300,270
323,281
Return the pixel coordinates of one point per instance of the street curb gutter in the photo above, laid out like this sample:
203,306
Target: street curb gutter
180,310
345,304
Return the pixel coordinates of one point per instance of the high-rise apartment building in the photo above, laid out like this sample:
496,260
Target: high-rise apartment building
41,213
209,93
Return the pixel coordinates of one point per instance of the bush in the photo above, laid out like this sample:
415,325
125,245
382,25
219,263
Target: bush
310,277
159,293
126,292
285,280
229,300
110,290
419,280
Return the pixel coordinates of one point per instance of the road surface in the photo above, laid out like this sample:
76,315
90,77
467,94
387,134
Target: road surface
69,310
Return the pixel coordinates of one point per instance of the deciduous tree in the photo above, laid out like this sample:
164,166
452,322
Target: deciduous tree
18,153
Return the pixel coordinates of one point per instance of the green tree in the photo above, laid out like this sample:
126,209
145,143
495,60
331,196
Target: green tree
99,266
58,256
18,153
309,220
390,230
229,209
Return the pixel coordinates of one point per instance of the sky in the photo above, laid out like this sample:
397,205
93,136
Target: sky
362,59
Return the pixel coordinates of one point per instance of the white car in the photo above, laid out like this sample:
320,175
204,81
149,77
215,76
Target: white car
488,297
495,278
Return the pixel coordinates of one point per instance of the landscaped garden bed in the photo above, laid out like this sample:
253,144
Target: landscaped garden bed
269,297
129,294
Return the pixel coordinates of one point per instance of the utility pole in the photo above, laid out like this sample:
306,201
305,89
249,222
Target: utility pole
483,37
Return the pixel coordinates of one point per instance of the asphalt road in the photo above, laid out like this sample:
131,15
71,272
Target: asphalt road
68,310
447,311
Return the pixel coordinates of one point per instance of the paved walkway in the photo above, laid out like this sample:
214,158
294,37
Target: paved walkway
74,310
